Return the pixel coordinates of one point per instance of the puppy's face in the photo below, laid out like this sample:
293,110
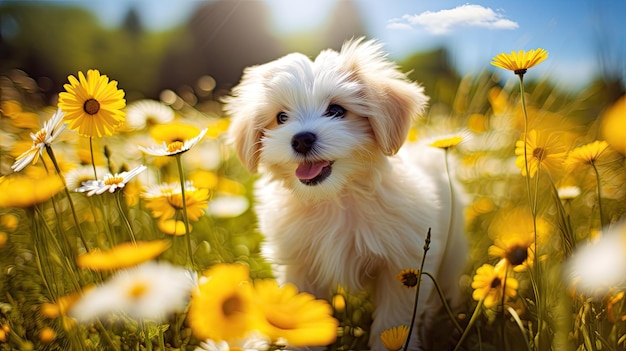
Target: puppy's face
320,125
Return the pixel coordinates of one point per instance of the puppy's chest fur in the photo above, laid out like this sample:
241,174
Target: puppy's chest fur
347,239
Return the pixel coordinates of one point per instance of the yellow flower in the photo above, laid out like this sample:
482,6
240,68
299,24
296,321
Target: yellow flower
299,318
173,227
93,105
63,304
491,283
9,221
171,132
408,277
165,199
339,302
447,143
613,125
611,308
587,154
123,255
516,248
518,222
47,335
541,153
222,308
520,61
22,192
393,339
19,119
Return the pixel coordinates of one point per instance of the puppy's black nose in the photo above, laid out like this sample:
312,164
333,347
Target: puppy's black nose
303,142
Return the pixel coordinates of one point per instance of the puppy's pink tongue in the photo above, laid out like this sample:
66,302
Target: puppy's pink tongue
307,170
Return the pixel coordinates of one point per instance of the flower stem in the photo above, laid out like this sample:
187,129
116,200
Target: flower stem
93,162
39,256
470,324
518,321
533,207
444,302
69,197
599,191
107,337
129,227
417,291
144,329
179,163
64,256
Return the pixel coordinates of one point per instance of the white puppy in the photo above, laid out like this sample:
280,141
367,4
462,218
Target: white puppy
335,204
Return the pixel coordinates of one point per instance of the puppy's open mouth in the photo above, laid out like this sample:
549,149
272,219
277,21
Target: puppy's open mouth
313,173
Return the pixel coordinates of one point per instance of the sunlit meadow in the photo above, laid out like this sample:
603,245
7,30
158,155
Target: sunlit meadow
128,225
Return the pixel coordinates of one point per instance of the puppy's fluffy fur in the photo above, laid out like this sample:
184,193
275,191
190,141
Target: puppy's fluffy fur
335,202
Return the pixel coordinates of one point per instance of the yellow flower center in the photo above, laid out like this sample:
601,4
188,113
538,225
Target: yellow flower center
91,106
496,283
113,180
232,305
40,137
539,153
137,290
175,146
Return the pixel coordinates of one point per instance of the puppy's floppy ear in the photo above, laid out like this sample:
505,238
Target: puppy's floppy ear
393,101
243,107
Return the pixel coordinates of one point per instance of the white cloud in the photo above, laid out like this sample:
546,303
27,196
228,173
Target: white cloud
443,21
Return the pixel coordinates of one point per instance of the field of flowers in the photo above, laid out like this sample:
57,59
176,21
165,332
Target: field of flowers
128,225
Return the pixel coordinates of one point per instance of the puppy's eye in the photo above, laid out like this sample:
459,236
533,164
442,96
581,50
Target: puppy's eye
281,118
335,111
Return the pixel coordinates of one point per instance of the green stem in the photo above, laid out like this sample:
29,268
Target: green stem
144,329
444,302
518,321
470,324
107,337
129,227
599,191
417,291
68,265
161,338
107,228
533,207
38,257
179,163
69,197
93,162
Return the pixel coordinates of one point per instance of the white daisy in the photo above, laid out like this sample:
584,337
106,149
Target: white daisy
110,182
568,192
141,113
600,267
228,206
75,177
253,342
174,148
151,291
44,137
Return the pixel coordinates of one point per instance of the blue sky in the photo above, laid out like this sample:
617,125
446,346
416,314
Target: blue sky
575,33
